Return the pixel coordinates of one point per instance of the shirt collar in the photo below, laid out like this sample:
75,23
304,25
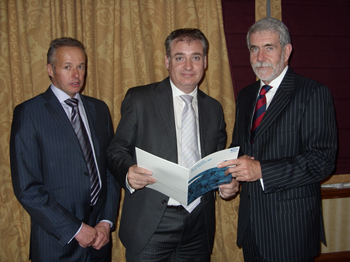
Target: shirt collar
277,81
178,92
62,96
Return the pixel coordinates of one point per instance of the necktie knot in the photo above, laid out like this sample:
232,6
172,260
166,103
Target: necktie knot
187,99
72,102
265,89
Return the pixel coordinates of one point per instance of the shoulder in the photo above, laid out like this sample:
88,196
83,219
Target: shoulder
307,86
98,104
204,98
150,88
31,104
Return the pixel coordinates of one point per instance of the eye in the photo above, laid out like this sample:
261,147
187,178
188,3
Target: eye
253,49
179,58
67,67
197,58
81,67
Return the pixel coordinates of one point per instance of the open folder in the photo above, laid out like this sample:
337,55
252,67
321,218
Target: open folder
186,184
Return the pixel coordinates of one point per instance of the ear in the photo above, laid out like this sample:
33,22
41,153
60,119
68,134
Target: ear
287,51
166,62
49,70
205,61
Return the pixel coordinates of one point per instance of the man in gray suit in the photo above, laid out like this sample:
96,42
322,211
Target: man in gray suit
153,226
71,214
289,143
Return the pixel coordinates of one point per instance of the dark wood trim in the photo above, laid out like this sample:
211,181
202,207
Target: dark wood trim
334,257
329,193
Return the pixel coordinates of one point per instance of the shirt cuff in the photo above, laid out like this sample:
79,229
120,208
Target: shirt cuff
131,190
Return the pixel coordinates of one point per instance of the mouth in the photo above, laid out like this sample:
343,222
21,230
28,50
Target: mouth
75,83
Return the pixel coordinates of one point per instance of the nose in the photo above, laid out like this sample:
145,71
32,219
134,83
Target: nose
261,56
76,73
188,64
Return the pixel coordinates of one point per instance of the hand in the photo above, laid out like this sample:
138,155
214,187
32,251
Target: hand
103,233
228,191
245,168
86,236
139,177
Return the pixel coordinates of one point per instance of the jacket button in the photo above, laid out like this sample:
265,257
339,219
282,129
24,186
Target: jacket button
164,202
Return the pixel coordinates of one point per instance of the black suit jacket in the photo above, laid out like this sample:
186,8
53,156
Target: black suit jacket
148,123
50,177
296,145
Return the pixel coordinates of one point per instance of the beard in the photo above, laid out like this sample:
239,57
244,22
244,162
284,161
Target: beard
276,69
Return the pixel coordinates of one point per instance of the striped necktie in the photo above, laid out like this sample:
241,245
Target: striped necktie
189,141
84,141
260,110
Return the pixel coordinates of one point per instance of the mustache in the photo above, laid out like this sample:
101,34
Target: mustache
262,64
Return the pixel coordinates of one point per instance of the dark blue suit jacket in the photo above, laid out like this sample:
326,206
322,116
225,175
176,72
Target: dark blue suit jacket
148,123
50,176
296,145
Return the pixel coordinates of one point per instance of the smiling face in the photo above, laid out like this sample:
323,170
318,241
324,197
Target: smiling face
186,64
267,57
68,70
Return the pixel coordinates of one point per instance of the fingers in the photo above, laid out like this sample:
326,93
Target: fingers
245,169
228,191
86,236
103,232
139,177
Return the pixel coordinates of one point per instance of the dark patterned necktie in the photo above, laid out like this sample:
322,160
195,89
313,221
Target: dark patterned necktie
84,141
260,110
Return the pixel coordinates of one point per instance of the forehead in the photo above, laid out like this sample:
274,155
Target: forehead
264,37
69,53
186,46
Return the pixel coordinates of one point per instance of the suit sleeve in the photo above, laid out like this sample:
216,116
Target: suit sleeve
113,187
317,147
27,178
222,132
121,151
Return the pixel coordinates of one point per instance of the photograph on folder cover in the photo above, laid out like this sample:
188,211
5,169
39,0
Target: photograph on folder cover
186,184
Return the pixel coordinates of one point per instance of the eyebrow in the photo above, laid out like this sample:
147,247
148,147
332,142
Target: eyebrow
190,54
268,44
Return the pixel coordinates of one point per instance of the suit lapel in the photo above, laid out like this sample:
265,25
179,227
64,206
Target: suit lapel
164,97
203,122
91,115
249,103
279,101
58,114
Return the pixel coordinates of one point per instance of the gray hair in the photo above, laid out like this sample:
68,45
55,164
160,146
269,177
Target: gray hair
62,42
273,25
186,34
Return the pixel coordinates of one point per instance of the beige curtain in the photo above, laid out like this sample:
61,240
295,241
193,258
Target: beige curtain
125,46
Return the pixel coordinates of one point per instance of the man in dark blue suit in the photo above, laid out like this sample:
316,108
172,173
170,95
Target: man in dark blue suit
287,151
153,226
70,221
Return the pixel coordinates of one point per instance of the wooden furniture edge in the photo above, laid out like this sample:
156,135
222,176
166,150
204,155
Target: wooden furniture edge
343,256
329,193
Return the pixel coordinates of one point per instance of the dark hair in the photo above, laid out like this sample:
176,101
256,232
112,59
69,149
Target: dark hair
62,42
273,25
186,34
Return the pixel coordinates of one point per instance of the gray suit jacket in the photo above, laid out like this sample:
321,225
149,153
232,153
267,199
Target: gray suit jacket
50,176
296,145
148,123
